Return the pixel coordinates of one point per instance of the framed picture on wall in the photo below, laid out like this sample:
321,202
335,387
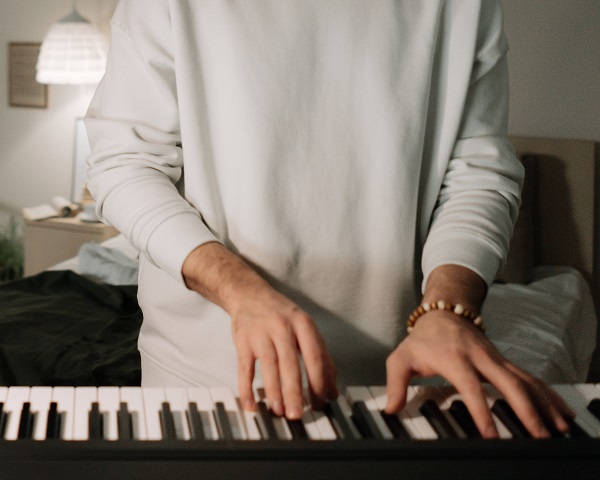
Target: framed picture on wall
24,91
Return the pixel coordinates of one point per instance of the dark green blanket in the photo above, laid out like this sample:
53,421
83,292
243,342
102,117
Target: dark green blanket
60,328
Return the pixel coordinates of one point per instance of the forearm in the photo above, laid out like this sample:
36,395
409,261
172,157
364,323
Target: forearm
455,284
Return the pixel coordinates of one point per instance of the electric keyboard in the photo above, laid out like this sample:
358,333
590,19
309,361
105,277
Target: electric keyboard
132,432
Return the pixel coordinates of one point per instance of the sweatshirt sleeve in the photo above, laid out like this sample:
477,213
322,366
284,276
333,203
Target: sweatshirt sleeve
135,170
479,198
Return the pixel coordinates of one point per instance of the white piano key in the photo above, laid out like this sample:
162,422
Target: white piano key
12,408
153,400
40,398
3,394
203,399
132,396
226,396
347,411
411,409
361,393
84,397
492,396
326,430
108,402
380,395
65,400
178,402
281,426
250,423
586,393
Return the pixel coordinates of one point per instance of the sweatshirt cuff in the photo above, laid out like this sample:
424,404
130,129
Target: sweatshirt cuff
471,253
174,239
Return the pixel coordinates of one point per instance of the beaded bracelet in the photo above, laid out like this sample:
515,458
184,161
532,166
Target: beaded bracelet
457,309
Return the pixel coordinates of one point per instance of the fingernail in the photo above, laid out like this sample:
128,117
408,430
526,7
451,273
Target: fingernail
248,405
294,411
491,432
543,432
277,408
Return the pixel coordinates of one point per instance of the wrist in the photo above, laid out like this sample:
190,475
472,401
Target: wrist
455,284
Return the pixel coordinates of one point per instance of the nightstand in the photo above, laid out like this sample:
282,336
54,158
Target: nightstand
53,240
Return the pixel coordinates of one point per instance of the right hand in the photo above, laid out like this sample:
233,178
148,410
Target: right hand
267,327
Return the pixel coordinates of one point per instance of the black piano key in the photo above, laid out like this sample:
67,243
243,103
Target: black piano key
95,423
594,407
297,429
2,420
223,423
509,418
460,413
364,421
437,420
339,421
395,425
195,421
267,421
575,431
25,422
53,426
167,423
124,423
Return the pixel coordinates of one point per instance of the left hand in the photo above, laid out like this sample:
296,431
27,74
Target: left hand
442,343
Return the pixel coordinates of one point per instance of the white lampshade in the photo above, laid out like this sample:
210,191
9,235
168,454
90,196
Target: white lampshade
72,53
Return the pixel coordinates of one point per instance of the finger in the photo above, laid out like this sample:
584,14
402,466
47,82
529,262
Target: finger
320,370
552,407
514,389
291,378
246,371
270,372
467,383
398,375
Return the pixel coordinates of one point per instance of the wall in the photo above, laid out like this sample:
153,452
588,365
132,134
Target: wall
555,73
554,62
36,145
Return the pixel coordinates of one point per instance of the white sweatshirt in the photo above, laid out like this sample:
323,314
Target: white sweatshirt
344,147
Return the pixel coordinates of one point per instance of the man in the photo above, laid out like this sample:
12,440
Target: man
293,172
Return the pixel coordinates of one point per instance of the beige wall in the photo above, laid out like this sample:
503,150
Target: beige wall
554,61
36,145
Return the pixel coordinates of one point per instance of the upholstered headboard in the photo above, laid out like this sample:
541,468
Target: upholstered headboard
561,203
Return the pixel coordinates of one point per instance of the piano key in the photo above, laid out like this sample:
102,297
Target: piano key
95,422
251,423
321,421
341,423
53,426
40,398
444,396
372,417
225,396
202,398
167,423
280,423
594,408
267,426
25,422
401,426
132,397
437,419
65,400
414,399
578,403
15,399
223,424
297,430
589,393
153,400
178,401
461,415
195,421
364,421
84,398
507,416
3,394
124,423
109,399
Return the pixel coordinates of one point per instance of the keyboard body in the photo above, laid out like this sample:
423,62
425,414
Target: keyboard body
348,458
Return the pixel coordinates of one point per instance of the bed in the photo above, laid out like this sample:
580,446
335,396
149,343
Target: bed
77,323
